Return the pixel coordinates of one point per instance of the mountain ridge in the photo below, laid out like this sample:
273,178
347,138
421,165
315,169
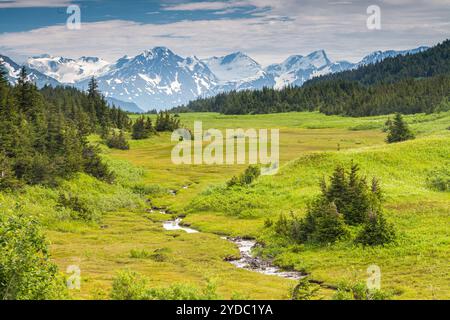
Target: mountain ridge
158,78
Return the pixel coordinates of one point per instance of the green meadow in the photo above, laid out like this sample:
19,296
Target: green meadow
124,235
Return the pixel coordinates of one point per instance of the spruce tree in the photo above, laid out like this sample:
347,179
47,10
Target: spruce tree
399,130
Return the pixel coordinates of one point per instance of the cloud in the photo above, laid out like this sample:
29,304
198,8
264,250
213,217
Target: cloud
288,27
33,3
202,6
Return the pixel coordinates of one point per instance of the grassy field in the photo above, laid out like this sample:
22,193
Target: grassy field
416,268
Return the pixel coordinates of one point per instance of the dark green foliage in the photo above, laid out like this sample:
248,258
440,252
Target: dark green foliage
8,180
117,141
359,291
43,132
246,178
439,178
432,62
412,84
304,290
166,122
129,285
26,272
347,200
351,195
80,208
376,231
94,165
398,130
322,224
142,128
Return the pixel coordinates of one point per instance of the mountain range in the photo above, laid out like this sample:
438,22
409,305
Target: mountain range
160,79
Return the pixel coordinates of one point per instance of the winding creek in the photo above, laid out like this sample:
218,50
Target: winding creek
246,261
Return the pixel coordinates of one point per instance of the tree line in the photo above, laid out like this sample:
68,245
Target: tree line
43,133
405,84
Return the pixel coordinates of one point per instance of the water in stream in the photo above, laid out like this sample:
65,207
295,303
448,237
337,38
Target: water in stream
246,261
175,225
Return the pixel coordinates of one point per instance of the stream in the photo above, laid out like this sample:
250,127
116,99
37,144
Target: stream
246,261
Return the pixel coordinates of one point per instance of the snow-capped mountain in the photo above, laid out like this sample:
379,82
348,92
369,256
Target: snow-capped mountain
298,69
13,71
237,71
378,56
157,78
160,79
67,70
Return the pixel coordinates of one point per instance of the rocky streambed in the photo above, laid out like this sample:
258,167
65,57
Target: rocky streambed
246,260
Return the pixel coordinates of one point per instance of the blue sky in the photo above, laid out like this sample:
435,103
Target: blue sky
267,30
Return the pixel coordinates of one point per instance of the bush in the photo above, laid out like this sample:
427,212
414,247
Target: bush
359,291
304,290
26,272
347,200
184,292
439,179
350,193
94,165
142,128
129,285
322,224
166,122
8,180
160,254
81,210
117,141
376,231
246,178
139,254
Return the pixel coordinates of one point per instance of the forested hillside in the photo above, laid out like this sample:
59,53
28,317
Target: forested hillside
432,62
43,132
407,84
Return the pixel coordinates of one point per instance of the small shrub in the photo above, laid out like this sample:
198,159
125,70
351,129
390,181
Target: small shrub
184,292
81,210
139,254
94,166
359,291
439,179
117,141
376,231
142,128
304,290
246,178
160,255
129,285
26,272
322,224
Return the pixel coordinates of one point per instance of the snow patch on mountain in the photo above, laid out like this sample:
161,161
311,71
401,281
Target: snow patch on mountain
13,71
67,70
156,78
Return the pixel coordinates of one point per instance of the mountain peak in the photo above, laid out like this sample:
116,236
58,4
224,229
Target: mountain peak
318,58
157,52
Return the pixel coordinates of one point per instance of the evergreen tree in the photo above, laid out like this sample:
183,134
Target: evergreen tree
322,224
93,89
142,128
117,141
399,130
376,231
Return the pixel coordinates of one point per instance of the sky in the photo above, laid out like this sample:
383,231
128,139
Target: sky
267,30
